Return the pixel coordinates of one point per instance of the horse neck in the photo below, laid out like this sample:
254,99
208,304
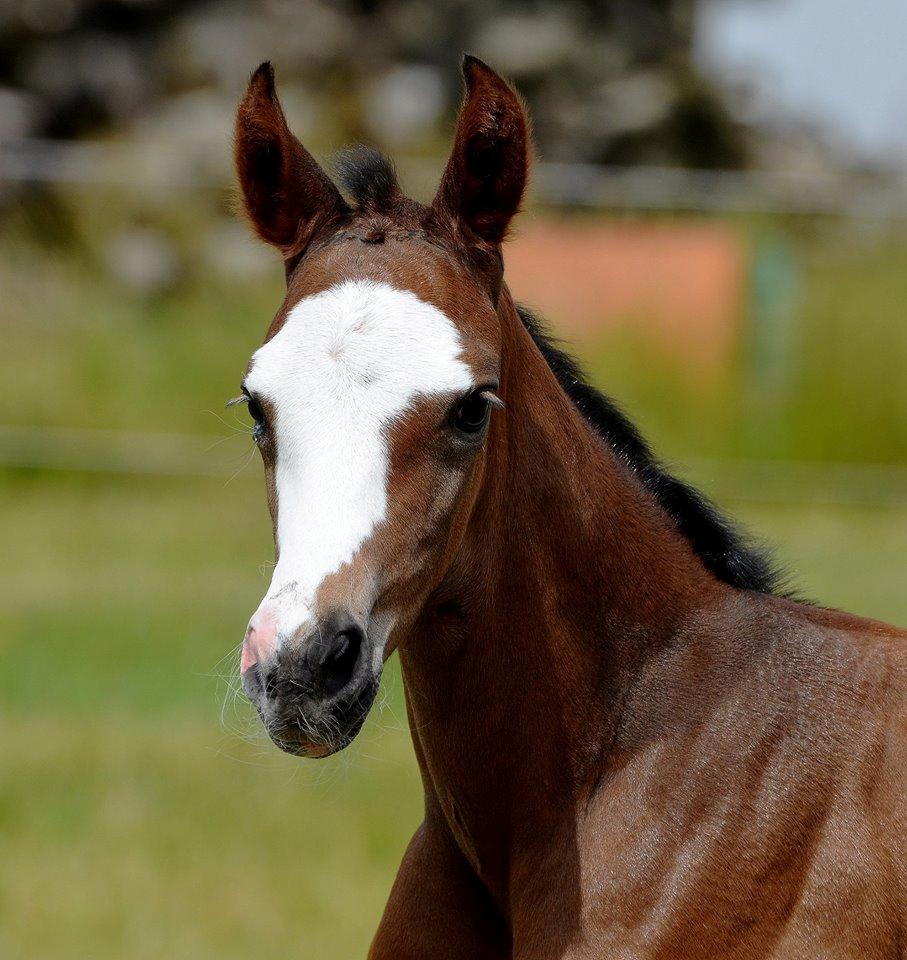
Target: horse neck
568,573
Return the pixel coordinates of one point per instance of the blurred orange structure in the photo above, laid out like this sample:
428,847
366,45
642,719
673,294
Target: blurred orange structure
684,283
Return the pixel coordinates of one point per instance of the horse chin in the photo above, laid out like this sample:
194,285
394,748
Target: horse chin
329,732
296,744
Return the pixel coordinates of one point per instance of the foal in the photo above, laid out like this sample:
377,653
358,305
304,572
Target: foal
630,745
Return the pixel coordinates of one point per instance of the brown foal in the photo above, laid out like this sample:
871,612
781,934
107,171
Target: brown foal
630,744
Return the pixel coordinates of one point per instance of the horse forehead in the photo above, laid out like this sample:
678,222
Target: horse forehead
362,336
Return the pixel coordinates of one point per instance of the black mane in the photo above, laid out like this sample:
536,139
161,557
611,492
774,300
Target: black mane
722,549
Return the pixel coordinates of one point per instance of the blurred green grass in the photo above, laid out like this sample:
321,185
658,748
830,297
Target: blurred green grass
142,810
141,813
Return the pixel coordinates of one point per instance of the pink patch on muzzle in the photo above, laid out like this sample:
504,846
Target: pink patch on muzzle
260,639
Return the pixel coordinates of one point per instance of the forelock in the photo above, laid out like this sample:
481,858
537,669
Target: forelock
370,179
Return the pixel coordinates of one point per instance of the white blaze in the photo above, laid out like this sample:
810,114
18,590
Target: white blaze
345,364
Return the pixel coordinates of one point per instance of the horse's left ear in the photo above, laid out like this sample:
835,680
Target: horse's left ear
287,195
486,174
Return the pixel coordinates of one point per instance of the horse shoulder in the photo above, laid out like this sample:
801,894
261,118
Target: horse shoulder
758,790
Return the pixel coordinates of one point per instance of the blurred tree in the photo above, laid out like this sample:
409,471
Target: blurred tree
608,81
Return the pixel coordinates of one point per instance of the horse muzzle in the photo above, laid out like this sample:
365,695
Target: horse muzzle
312,692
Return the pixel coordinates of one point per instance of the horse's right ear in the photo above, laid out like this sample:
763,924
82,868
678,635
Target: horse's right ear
287,195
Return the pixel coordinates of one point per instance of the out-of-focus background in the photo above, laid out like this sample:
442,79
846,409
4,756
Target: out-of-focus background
718,224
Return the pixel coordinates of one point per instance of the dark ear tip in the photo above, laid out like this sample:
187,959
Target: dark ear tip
263,77
473,67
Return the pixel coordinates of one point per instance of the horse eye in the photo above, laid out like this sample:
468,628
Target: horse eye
255,411
471,414
258,415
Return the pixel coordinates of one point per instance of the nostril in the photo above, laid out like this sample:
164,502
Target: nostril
340,660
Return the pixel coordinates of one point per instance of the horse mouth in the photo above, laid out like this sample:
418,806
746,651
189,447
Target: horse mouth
318,732
297,744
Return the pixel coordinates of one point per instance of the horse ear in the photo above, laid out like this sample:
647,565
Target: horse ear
286,193
485,176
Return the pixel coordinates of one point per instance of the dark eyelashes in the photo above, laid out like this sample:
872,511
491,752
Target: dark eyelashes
490,394
255,411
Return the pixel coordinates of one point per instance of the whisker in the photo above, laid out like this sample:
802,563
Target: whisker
236,427
242,467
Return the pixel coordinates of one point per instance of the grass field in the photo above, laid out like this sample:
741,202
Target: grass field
142,815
